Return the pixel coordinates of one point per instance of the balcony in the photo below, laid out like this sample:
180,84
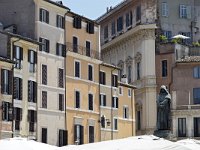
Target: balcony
83,51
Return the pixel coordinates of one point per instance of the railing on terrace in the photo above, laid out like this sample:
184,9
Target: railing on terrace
82,50
187,107
194,51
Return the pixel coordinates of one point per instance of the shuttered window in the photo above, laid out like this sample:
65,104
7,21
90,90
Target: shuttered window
32,91
102,78
45,44
78,134
90,27
120,24
125,112
90,72
44,15
17,117
61,49
60,78
44,99
7,111
62,138
44,135
90,102
75,44
114,80
18,56
91,134
61,102
60,21
44,74
32,118
6,82
88,49
32,59
77,69
102,100
77,99
115,124
77,22
18,89
115,102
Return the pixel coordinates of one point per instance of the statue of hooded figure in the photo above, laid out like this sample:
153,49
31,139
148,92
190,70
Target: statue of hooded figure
163,109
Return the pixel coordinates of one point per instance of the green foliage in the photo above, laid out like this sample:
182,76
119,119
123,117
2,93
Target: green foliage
196,44
176,40
163,38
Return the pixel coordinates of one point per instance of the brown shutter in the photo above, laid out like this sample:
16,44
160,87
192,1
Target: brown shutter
29,116
14,51
63,22
64,50
35,92
57,48
60,138
10,82
21,88
35,57
65,137
47,15
29,91
10,113
47,46
21,53
75,134
15,88
40,40
74,22
104,100
14,113
20,109
2,81
29,55
117,102
40,14
3,110
57,17
35,116
81,135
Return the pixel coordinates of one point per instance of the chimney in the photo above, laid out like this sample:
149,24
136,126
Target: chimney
124,79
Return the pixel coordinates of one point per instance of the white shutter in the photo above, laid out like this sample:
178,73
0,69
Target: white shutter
189,15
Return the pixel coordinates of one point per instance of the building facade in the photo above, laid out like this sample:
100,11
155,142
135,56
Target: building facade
128,41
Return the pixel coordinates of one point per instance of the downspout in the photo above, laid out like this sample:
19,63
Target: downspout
99,106
132,110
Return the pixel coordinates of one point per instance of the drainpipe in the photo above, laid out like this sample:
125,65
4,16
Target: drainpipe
132,111
99,106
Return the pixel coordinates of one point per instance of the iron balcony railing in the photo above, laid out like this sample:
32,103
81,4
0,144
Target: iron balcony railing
83,50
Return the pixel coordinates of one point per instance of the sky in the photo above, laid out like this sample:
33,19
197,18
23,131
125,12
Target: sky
91,9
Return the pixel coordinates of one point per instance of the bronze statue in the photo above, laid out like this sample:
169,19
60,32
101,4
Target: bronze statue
163,109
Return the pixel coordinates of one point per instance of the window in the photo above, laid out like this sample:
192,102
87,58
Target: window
17,92
60,78
44,99
45,45
90,72
77,69
138,70
77,22
44,74
164,68
113,30
78,135
6,81
44,15
77,99
120,91
196,95
102,100
60,21
32,118
129,74
106,32
91,134
32,91
185,11
129,93
196,127
90,102
102,78
17,117
103,121
115,102
18,56
138,14
61,102
60,50
129,18
7,111
90,28
115,80
138,120
120,24
88,48
44,135
125,112
115,124
75,44
32,59
165,11
168,34
181,127
62,138
196,72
